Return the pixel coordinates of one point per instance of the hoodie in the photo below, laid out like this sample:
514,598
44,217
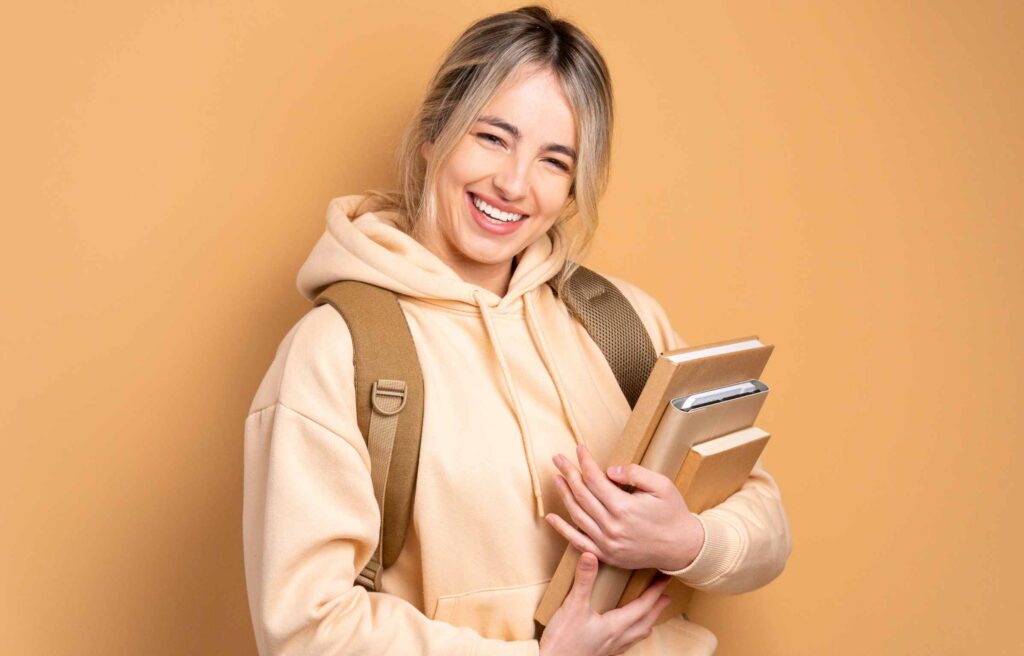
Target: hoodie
509,382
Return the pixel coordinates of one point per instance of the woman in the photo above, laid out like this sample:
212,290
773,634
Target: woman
510,143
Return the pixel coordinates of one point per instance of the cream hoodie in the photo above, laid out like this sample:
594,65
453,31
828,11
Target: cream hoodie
509,382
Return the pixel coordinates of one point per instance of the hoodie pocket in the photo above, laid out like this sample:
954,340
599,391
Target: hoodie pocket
502,613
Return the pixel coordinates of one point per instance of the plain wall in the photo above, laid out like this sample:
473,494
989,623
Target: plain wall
841,179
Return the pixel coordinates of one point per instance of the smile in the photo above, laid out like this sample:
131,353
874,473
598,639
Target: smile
494,213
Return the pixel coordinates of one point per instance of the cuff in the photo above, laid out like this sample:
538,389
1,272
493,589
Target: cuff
721,549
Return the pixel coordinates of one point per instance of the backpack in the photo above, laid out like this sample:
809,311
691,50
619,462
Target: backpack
389,384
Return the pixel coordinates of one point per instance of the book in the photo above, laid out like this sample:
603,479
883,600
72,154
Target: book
711,472
675,374
680,428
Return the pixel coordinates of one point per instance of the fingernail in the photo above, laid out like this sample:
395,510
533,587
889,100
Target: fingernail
617,470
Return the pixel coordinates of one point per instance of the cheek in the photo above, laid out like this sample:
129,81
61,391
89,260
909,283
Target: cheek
553,193
468,165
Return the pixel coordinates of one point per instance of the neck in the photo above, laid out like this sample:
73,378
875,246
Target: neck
494,277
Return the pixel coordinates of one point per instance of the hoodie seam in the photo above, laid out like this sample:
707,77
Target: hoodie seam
303,415
500,588
260,410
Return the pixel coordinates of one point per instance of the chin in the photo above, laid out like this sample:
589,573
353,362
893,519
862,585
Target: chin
485,255
486,249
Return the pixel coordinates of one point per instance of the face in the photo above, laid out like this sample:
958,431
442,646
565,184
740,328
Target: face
518,158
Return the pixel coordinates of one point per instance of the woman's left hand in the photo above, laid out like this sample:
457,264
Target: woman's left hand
650,528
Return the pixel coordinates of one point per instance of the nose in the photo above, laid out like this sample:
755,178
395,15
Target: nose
512,180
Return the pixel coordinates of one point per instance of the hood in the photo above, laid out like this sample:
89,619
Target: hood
372,248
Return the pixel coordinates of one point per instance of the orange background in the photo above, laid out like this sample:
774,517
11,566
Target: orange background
842,179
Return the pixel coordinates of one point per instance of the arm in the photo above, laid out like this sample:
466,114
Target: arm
746,537
310,519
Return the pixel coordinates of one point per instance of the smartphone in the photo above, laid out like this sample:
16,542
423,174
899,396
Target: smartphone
703,399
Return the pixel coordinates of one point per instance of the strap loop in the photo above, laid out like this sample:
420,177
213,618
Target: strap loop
384,388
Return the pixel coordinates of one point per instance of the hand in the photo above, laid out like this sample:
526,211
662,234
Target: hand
650,528
576,630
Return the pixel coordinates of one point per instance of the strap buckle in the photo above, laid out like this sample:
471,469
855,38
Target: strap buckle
384,388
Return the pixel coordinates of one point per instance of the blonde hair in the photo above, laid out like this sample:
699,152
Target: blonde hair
471,72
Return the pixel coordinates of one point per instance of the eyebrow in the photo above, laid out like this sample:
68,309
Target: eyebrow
514,131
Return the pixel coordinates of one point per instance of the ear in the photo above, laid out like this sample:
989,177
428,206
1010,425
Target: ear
427,150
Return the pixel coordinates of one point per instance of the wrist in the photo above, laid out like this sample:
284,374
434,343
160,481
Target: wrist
689,545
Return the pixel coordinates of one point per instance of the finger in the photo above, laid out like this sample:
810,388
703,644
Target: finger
575,538
584,522
584,496
583,581
642,628
606,491
632,612
640,478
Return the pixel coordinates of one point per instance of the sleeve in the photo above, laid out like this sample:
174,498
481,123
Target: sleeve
310,519
747,539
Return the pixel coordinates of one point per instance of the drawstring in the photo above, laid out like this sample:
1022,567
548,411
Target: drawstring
545,354
516,405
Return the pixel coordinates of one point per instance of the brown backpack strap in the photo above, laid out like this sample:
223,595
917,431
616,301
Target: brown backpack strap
614,325
389,408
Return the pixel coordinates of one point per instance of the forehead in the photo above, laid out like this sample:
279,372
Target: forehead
533,100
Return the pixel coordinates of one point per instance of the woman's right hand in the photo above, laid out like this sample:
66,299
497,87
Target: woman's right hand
575,629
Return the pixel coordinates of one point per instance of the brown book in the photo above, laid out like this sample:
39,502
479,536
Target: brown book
675,374
711,472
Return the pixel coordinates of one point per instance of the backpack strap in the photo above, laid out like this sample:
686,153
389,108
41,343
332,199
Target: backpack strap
614,325
389,408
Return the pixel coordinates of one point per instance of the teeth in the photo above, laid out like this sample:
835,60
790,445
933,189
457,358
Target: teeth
496,214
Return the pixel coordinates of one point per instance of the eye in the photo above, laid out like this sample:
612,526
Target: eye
491,138
559,163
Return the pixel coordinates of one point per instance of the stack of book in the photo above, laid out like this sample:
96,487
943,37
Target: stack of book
693,423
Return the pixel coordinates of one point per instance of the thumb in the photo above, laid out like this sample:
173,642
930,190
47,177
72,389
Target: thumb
638,477
583,583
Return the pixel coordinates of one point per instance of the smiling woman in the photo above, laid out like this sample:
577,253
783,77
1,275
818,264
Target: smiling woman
509,145
536,93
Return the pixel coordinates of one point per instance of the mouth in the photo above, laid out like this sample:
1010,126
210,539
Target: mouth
492,220
493,212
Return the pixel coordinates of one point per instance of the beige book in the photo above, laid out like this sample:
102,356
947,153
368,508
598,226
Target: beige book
711,472
679,429
675,374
